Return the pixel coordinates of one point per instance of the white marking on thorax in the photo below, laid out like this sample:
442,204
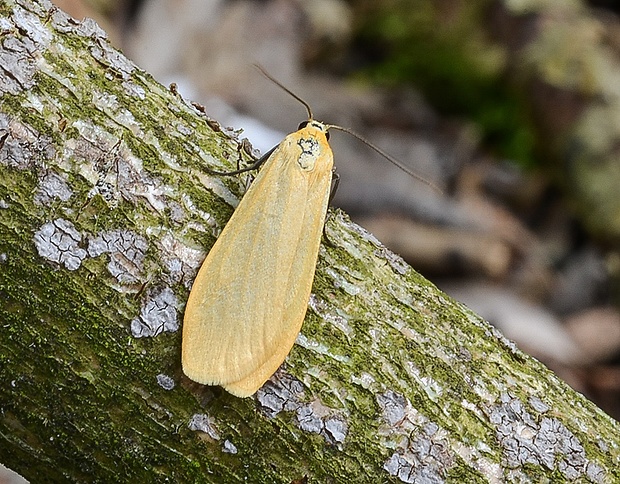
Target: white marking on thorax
309,153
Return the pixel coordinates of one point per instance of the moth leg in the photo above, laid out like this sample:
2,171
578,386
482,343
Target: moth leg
328,214
335,183
253,166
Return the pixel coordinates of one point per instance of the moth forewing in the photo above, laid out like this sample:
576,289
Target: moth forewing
249,300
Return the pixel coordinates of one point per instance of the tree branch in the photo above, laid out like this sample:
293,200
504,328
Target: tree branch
106,212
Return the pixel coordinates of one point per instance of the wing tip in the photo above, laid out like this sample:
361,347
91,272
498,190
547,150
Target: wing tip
242,388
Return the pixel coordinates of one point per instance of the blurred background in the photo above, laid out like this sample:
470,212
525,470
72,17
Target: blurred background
511,107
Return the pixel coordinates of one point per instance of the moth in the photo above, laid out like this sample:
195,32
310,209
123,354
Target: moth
249,299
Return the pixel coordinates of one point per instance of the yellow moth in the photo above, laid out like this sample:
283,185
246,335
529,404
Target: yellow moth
249,300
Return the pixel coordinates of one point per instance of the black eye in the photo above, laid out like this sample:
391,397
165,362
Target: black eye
327,135
302,125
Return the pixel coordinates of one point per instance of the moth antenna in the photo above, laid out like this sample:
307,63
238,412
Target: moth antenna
388,157
284,88
378,150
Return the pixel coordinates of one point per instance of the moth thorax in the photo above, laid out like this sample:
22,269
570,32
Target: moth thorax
309,152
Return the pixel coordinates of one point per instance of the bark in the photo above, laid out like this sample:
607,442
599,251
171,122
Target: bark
105,215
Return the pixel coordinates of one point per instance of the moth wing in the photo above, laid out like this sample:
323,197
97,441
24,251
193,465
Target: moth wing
250,297
251,383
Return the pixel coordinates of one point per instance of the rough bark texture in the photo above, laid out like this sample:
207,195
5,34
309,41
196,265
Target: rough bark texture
105,216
